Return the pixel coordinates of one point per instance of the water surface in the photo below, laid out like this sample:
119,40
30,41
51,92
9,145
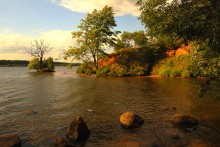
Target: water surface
57,97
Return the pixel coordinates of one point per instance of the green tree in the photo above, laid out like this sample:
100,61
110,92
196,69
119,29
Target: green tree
34,64
47,65
131,39
95,33
191,20
38,49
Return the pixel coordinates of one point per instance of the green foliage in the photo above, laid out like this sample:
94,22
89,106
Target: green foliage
190,20
34,64
103,72
86,68
131,39
174,67
136,70
117,70
206,62
47,65
95,32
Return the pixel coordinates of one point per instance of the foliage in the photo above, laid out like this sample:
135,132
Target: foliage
131,39
174,67
191,20
38,49
136,70
47,65
206,62
34,64
117,70
86,68
103,71
95,33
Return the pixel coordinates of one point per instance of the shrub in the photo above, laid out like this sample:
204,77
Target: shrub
85,68
136,70
117,70
103,72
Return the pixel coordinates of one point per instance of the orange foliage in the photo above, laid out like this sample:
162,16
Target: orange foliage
183,50
107,61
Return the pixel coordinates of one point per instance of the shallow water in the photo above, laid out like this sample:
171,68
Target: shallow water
57,97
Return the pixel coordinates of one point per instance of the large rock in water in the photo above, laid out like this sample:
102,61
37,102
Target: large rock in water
10,140
184,119
129,119
78,130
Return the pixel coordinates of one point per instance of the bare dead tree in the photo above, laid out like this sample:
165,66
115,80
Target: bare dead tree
38,49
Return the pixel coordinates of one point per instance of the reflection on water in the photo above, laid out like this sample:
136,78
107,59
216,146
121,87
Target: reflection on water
57,97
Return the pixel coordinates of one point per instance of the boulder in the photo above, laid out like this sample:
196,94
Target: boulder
78,130
183,119
63,142
10,140
129,119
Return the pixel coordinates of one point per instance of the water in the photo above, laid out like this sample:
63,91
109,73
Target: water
57,97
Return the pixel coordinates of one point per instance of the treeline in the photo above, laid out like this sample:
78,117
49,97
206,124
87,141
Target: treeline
20,63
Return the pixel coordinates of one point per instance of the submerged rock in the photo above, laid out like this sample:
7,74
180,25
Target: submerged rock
183,119
129,119
78,130
10,140
29,112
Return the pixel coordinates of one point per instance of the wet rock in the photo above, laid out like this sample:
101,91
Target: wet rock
63,142
29,112
183,119
78,130
10,140
129,119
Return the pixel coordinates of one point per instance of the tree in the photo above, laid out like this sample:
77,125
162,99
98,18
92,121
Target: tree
47,65
34,64
38,49
131,39
191,20
95,33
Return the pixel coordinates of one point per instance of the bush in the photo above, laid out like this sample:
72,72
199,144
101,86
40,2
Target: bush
117,70
136,70
103,72
85,68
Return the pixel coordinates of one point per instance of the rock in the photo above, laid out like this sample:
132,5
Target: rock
78,130
183,119
63,142
29,112
129,119
174,137
10,140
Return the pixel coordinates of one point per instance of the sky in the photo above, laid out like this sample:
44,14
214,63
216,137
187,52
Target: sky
23,21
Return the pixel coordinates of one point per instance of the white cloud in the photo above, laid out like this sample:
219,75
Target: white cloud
13,45
121,7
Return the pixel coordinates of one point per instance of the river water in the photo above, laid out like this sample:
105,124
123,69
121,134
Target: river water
58,97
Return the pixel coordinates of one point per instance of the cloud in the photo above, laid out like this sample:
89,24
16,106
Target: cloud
13,46
121,7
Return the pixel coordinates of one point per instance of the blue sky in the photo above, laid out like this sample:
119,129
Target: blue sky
22,21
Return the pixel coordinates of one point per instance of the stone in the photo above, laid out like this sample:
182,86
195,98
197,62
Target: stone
198,143
29,112
183,119
10,140
129,119
63,142
78,130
